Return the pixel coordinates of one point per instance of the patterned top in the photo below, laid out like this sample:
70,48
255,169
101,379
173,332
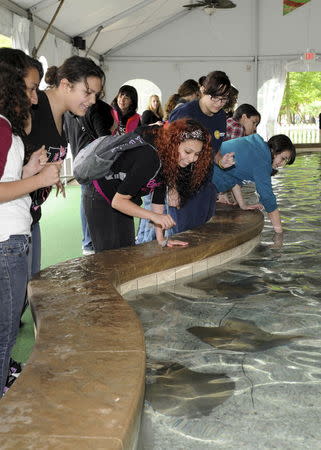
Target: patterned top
233,129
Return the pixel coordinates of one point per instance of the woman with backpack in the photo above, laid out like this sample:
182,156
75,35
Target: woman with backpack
173,159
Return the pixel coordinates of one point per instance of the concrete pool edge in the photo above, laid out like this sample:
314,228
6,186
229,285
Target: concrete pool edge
84,382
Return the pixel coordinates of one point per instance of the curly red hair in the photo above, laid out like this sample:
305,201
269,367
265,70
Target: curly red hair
167,141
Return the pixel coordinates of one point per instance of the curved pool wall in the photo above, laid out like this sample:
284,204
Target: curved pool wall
83,386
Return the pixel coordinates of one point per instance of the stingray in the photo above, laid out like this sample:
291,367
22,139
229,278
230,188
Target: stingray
241,336
174,390
234,284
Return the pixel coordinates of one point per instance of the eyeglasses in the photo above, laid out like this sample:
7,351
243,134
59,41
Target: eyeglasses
216,99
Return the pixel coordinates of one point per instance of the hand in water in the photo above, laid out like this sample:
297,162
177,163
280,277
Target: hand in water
277,240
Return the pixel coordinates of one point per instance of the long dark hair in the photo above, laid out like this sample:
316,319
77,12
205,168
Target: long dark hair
20,61
246,109
188,87
131,92
14,103
278,144
74,69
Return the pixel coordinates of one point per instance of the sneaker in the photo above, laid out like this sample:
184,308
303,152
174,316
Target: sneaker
10,380
15,368
88,252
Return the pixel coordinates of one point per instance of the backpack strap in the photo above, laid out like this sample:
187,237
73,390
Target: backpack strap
116,120
99,190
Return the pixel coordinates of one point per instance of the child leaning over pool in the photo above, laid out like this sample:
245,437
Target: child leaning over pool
255,160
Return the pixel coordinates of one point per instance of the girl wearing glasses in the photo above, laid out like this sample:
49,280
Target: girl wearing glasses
255,160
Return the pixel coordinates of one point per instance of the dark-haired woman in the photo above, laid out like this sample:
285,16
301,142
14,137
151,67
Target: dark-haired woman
176,158
29,68
243,123
187,92
16,182
74,87
255,160
125,110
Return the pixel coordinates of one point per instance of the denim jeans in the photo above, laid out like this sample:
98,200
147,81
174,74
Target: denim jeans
86,240
13,284
146,229
35,250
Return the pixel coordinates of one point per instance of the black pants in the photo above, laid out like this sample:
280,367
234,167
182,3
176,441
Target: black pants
108,227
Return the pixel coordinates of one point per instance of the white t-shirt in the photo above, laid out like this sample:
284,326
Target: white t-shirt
15,217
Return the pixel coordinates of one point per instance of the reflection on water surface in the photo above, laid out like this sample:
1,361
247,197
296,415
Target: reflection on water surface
257,321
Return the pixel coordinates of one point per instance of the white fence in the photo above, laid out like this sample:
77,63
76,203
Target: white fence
300,133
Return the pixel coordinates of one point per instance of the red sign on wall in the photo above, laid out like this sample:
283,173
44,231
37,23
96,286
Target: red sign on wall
290,5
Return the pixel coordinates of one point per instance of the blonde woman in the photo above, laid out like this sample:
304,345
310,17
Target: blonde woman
154,112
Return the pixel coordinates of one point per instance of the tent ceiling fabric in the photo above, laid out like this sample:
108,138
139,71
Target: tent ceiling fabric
122,20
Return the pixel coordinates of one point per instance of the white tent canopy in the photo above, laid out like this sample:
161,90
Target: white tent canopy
164,43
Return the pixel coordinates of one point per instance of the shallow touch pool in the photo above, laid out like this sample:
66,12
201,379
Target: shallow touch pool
234,358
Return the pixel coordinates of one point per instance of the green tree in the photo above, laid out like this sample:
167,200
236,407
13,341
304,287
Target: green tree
301,95
5,41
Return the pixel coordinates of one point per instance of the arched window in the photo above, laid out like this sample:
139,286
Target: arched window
145,89
44,63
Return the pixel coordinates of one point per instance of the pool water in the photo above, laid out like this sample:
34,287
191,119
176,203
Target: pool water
234,355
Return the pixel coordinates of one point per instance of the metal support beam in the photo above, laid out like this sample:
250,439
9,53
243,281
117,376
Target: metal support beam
116,18
10,6
256,17
146,33
99,30
35,50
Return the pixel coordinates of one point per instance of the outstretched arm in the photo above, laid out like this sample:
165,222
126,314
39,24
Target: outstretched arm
276,220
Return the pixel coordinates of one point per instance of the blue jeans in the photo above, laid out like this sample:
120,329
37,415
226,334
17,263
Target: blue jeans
146,229
86,240
35,250
13,284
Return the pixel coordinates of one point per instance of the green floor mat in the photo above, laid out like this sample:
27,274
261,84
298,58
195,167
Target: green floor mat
60,240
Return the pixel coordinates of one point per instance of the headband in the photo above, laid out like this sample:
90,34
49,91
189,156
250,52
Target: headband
195,134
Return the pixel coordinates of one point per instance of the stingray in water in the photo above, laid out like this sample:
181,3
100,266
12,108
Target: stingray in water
232,284
241,336
174,390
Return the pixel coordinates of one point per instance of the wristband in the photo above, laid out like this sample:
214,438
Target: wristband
220,164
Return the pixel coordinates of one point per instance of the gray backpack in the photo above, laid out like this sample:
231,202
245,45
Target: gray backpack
96,159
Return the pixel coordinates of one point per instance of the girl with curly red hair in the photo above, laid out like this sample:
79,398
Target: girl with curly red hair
177,159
